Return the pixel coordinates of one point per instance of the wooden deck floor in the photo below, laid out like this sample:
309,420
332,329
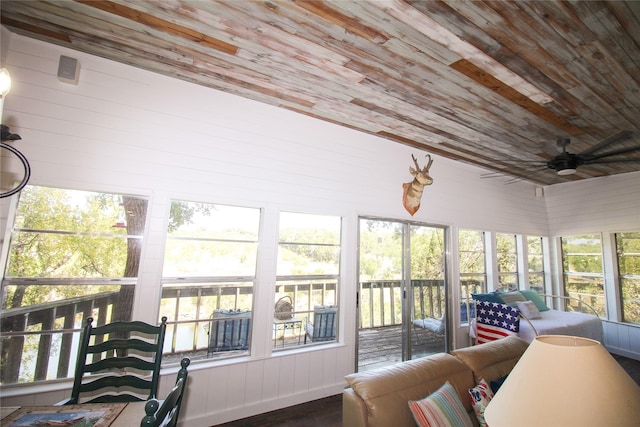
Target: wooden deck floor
383,346
376,347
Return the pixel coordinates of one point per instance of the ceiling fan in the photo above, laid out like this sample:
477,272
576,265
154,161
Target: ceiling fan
567,163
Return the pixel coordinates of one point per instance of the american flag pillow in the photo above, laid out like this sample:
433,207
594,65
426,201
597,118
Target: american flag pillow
495,321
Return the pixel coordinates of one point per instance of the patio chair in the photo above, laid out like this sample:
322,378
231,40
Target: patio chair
166,414
118,362
229,330
323,327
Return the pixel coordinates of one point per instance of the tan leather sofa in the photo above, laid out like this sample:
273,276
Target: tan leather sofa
379,398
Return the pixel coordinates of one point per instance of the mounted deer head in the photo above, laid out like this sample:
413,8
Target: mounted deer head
412,191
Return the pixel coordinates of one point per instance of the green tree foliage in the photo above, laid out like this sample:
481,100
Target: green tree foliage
306,247
62,236
68,237
380,251
506,252
582,254
535,254
183,212
471,251
583,270
427,253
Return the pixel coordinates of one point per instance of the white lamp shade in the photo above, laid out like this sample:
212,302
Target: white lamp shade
565,381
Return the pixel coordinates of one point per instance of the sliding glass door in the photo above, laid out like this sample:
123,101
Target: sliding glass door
402,291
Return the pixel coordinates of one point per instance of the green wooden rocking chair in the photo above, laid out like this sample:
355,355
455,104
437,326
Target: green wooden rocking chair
118,362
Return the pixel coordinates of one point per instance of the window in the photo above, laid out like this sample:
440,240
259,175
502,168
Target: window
73,255
308,274
472,266
628,250
583,271
209,274
535,262
507,257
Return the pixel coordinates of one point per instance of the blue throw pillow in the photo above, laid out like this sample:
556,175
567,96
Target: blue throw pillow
488,297
495,384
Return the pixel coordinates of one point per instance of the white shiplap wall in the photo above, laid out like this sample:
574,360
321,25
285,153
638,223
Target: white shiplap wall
604,205
126,130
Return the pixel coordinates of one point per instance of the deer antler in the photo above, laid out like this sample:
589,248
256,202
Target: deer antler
426,169
427,166
415,161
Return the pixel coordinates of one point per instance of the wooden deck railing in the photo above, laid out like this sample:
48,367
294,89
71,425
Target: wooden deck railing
39,342
55,328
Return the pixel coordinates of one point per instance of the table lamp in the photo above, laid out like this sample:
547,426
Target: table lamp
565,381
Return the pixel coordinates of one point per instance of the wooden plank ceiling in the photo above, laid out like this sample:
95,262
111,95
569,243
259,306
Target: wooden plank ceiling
494,84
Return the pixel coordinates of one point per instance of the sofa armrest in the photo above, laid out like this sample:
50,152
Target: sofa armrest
492,360
354,411
385,392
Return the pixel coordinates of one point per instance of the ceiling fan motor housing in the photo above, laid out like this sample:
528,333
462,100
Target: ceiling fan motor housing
565,164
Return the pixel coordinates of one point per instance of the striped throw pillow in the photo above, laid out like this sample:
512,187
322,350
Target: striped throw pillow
442,408
511,298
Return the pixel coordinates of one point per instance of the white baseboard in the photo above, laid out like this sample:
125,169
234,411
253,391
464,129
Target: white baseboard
212,419
623,352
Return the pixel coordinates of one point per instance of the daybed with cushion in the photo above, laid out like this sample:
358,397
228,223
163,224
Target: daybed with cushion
539,319
380,397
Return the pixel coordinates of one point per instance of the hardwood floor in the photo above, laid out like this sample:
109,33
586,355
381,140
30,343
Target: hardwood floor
327,412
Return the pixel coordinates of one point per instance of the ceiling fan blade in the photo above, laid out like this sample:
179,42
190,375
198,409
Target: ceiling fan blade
531,173
492,175
611,153
620,136
601,162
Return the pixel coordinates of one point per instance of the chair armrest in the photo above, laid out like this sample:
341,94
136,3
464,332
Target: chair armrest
67,401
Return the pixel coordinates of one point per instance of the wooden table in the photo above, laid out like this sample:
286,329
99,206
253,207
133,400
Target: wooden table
104,414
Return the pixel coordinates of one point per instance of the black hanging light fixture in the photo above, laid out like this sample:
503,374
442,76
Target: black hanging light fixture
6,135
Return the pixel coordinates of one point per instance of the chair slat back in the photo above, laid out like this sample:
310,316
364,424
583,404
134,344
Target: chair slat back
324,325
229,330
121,361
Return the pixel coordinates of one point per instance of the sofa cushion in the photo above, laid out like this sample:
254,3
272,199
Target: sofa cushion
442,408
533,296
492,360
387,391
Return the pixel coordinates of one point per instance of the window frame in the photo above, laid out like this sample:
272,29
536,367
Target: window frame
479,277
623,275
515,256
212,286
601,308
542,274
54,325
286,280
